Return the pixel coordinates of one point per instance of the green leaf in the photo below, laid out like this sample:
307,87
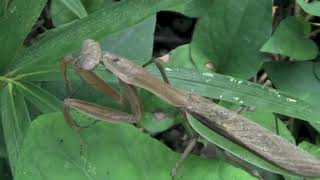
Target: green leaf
76,7
299,79
158,115
317,69
291,39
293,178
42,99
312,149
135,42
111,151
197,8
153,125
62,15
3,151
240,92
181,57
16,21
64,11
3,162
122,43
93,5
230,36
60,41
232,147
43,71
15,122
312,8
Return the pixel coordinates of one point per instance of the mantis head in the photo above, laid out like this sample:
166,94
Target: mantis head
90,55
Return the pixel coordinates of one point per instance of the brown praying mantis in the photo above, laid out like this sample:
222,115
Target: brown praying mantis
229,124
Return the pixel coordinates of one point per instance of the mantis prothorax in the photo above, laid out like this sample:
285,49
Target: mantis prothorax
231,125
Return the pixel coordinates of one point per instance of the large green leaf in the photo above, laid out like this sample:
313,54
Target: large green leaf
312,8
43,71
76,7
181,57
312,149
291,39
230,36
3,151
58,42
15,122
63,11
16,21
232,147
297,78
42,99
240,92
196,8
135,42
153,125
111,151
123,43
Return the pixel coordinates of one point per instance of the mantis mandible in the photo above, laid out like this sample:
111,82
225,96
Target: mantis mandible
231,125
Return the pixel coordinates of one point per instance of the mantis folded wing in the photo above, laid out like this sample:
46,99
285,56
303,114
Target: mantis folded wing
233,126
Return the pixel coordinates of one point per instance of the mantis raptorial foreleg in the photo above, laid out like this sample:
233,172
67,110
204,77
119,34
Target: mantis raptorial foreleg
88,60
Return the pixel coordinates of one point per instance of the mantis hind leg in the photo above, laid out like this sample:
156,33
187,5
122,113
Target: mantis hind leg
192,143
